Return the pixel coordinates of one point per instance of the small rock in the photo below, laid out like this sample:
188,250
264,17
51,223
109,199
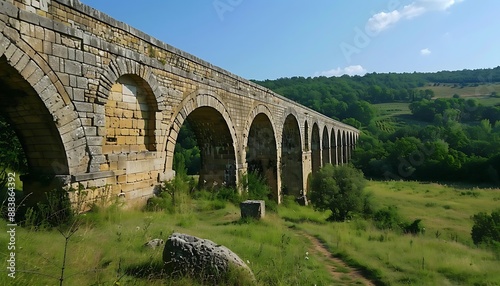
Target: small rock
253,209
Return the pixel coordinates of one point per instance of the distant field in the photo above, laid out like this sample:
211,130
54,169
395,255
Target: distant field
392,109
448,90
392,115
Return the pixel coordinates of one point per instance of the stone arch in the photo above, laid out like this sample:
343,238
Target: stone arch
345,151
340,157
289,111
122,66
44,118
315,148
259,109
261,147
130,117
325,147
306,136
333,147
351,144
291,157
209,103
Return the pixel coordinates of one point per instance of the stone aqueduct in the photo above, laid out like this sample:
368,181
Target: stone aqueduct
99,104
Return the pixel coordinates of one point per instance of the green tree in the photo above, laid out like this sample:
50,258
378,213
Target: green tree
486,228
12,156
339,189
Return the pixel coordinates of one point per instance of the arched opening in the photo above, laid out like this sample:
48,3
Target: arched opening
350,145
326,147
130,117
291,158
261,155
187,155
315,149
35,127
216,147
333,146
306,136
344,148
340,158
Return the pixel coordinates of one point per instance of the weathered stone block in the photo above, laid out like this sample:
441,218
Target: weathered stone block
253,209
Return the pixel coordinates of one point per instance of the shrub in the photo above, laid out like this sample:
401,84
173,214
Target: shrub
486,229
414,228
54,211
256,187
171,196
159,202
228,194
339,189
387,218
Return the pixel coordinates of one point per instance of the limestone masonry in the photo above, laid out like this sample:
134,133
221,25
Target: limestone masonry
98,105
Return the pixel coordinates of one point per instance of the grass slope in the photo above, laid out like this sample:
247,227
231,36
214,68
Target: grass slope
448,90
108,247
444,255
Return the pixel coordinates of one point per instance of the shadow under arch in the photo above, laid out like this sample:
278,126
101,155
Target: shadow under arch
315,148
325,155
44,123
333,147
261,147
215,134
291,158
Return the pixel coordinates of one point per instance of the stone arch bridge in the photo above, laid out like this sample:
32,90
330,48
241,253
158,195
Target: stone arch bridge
99,104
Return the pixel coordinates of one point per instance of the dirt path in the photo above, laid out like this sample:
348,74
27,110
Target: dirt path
340,271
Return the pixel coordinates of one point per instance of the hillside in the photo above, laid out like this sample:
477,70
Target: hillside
455,114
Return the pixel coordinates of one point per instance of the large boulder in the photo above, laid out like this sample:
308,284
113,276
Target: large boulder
201,258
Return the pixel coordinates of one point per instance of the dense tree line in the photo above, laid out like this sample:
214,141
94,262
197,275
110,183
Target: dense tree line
452,138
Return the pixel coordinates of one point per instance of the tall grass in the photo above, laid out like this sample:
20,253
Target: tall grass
108,247
444,255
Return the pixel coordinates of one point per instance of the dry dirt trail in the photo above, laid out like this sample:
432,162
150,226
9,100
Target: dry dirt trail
342,273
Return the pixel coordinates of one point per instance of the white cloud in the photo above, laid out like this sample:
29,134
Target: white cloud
384,20
425,52
350,70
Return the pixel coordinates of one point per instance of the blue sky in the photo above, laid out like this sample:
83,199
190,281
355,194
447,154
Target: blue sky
262,39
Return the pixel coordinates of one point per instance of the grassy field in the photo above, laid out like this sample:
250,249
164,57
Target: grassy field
444,255
107,248
448,90
391,116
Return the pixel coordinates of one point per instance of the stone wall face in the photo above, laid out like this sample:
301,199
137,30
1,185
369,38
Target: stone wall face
118,98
